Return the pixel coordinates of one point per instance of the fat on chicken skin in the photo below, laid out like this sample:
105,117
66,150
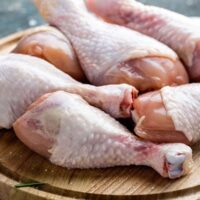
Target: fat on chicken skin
177,31
169,115
69,132
25,78
112,54
51,45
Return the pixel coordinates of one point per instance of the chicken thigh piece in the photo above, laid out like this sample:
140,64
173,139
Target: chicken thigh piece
52,46
24,78
175,30
169,115
111,54
68,131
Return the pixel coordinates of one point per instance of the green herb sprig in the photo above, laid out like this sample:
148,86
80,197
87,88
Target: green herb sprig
36,184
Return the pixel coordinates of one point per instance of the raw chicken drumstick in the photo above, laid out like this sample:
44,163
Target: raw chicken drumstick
177,31
111,54
24,78
52,46
169,115
68,131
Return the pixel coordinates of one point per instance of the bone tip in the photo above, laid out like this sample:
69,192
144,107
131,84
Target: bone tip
179,165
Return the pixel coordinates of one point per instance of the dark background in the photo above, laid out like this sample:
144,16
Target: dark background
16,15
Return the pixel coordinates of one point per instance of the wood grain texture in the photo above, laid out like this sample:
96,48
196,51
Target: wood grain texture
19,164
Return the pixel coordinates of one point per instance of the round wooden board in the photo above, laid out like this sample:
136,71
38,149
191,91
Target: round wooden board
19,164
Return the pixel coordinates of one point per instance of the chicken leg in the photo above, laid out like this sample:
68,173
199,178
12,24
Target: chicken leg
177,31
69,132
111,54
52,46
169,115
24,78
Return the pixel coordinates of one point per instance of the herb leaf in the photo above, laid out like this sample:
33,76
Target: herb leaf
28,185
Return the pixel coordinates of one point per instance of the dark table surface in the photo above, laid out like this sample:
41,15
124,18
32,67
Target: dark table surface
16,15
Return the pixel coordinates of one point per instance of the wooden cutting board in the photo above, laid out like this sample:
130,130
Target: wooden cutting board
20,165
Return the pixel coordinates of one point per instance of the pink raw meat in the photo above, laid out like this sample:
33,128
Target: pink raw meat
179,32
111,54
70,133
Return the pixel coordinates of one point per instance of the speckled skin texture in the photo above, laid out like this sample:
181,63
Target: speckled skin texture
26,15
182,104
110,53
82,136
25,78
177,31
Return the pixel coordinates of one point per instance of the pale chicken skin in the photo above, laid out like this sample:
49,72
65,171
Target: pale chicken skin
52,46
24,78
196,20
169,115
175,30
68,131
112,54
